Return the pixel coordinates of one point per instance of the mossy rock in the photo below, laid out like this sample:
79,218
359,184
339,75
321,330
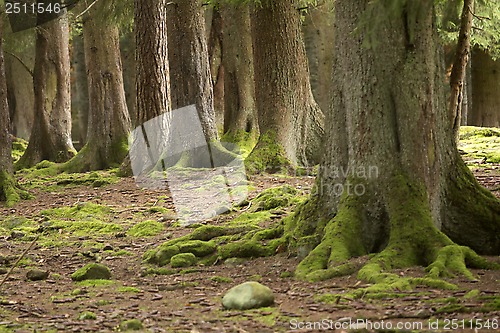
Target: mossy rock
162,255
92,272
197,247
183,260
87,315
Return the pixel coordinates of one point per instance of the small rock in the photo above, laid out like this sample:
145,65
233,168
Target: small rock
107,247
37,275
92,272
234,261
248,295
16,234
3,270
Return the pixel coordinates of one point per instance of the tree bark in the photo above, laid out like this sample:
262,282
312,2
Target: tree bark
391,177
216,66
50,137
290,121
240,114
191,84
190,78
109,120
318,39
79,92
485,109
20,95
8,188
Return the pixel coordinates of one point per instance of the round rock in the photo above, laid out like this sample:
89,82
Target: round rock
248,295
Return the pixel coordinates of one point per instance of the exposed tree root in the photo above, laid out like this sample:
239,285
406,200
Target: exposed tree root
268,156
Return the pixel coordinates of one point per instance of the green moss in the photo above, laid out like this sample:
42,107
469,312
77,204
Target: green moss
131,325
92,271
221,279
281,196
249,249
18,148
267,156
127,289
159,271
96,283
251,218
87,315
183,260
197,247
451,308
146,229
79,211
244,141
8,189
494,305
162,255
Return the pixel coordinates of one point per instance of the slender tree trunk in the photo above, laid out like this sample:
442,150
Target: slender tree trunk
240,114
485,109
50,137
79,92
216,66
318,38
21,97
290,121
109,121
127,50
391,175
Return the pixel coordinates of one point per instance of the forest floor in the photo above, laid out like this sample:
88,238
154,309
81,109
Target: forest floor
189,299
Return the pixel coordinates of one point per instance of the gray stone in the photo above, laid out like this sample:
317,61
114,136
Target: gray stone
248,295
37,275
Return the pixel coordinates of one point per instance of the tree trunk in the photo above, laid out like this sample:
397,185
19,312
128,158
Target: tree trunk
127,50
8,190
191,84
20,95
79,92
290,121
318,38
391,175
485,109
109,121
216,66
50,137
240,114
151,86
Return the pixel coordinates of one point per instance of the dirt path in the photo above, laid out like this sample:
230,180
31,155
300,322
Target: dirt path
190,300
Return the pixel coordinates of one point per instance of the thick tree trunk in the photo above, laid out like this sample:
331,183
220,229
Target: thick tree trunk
8,190
151,86
318,39
191,84
485,109
240,114
109,121
190,78
50,137
79,92
290,121
391,176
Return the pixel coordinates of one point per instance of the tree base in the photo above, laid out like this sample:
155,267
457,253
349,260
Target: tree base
9,191
268,156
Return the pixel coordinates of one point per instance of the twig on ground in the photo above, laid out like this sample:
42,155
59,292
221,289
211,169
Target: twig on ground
18,260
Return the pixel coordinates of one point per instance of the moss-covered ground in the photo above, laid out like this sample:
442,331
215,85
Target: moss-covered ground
167,276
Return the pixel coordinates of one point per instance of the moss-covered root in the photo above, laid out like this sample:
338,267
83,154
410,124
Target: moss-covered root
340,242
453,260
9,191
